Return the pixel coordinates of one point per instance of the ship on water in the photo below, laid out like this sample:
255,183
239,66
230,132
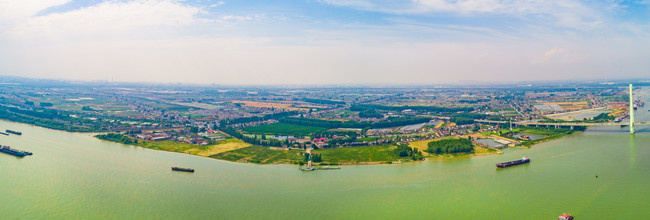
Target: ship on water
513,163
14,132
183,169
15,152
310,167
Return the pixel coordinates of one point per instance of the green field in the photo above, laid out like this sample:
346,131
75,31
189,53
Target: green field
283,128
262,155
384,153
265,155
549,133
156,145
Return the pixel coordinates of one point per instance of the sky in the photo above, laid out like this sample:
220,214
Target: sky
325,42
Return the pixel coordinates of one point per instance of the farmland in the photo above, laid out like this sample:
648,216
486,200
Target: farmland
285,129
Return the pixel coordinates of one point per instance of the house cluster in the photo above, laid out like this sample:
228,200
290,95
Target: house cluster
160,136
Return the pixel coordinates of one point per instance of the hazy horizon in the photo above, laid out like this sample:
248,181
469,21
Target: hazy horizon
325,42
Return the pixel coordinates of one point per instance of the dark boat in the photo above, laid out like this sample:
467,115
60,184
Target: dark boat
2,133
183,169
14,132
512,163
15,152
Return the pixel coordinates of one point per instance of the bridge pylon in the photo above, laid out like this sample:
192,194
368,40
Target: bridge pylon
631,111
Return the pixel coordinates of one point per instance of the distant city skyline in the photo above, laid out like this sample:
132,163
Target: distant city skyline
325,41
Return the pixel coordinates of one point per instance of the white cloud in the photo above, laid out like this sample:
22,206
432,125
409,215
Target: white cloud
557,55
14,11
110,17
566,13
239,18
216,4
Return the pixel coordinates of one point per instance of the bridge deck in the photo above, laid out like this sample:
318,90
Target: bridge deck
528,123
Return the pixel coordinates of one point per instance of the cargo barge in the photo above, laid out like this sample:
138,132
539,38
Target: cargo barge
14,132
15,152
513,163
183,169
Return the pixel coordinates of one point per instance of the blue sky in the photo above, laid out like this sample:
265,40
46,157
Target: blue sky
325,41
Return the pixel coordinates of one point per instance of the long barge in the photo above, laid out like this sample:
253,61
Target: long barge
14,132
183,169
15,152
513,163
2,133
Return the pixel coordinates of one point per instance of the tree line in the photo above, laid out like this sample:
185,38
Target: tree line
258,118
371,113
355,124
358,108
323,101
404,150
450,146
117,137
251,140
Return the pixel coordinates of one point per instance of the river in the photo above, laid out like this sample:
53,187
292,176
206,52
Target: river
76,176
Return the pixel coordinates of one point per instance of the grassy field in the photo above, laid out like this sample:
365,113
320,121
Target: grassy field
550,134
199,150
483,150
423,145
205,150
172,146
220,147
282,128
262,155
384,153
545,132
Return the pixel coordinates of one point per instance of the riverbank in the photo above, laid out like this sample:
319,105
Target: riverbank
198,150
235,150
101,179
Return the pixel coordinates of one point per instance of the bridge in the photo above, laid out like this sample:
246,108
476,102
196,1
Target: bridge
564,124
571,125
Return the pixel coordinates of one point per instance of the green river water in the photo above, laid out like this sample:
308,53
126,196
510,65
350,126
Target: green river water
75,176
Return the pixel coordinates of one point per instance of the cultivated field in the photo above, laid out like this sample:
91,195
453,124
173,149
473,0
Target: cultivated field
282,128
570,106
384,153
263,155
284,105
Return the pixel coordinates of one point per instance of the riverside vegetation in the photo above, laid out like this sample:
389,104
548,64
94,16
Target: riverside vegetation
237,151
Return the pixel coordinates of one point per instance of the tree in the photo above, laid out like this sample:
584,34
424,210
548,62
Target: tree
450,146
403,150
